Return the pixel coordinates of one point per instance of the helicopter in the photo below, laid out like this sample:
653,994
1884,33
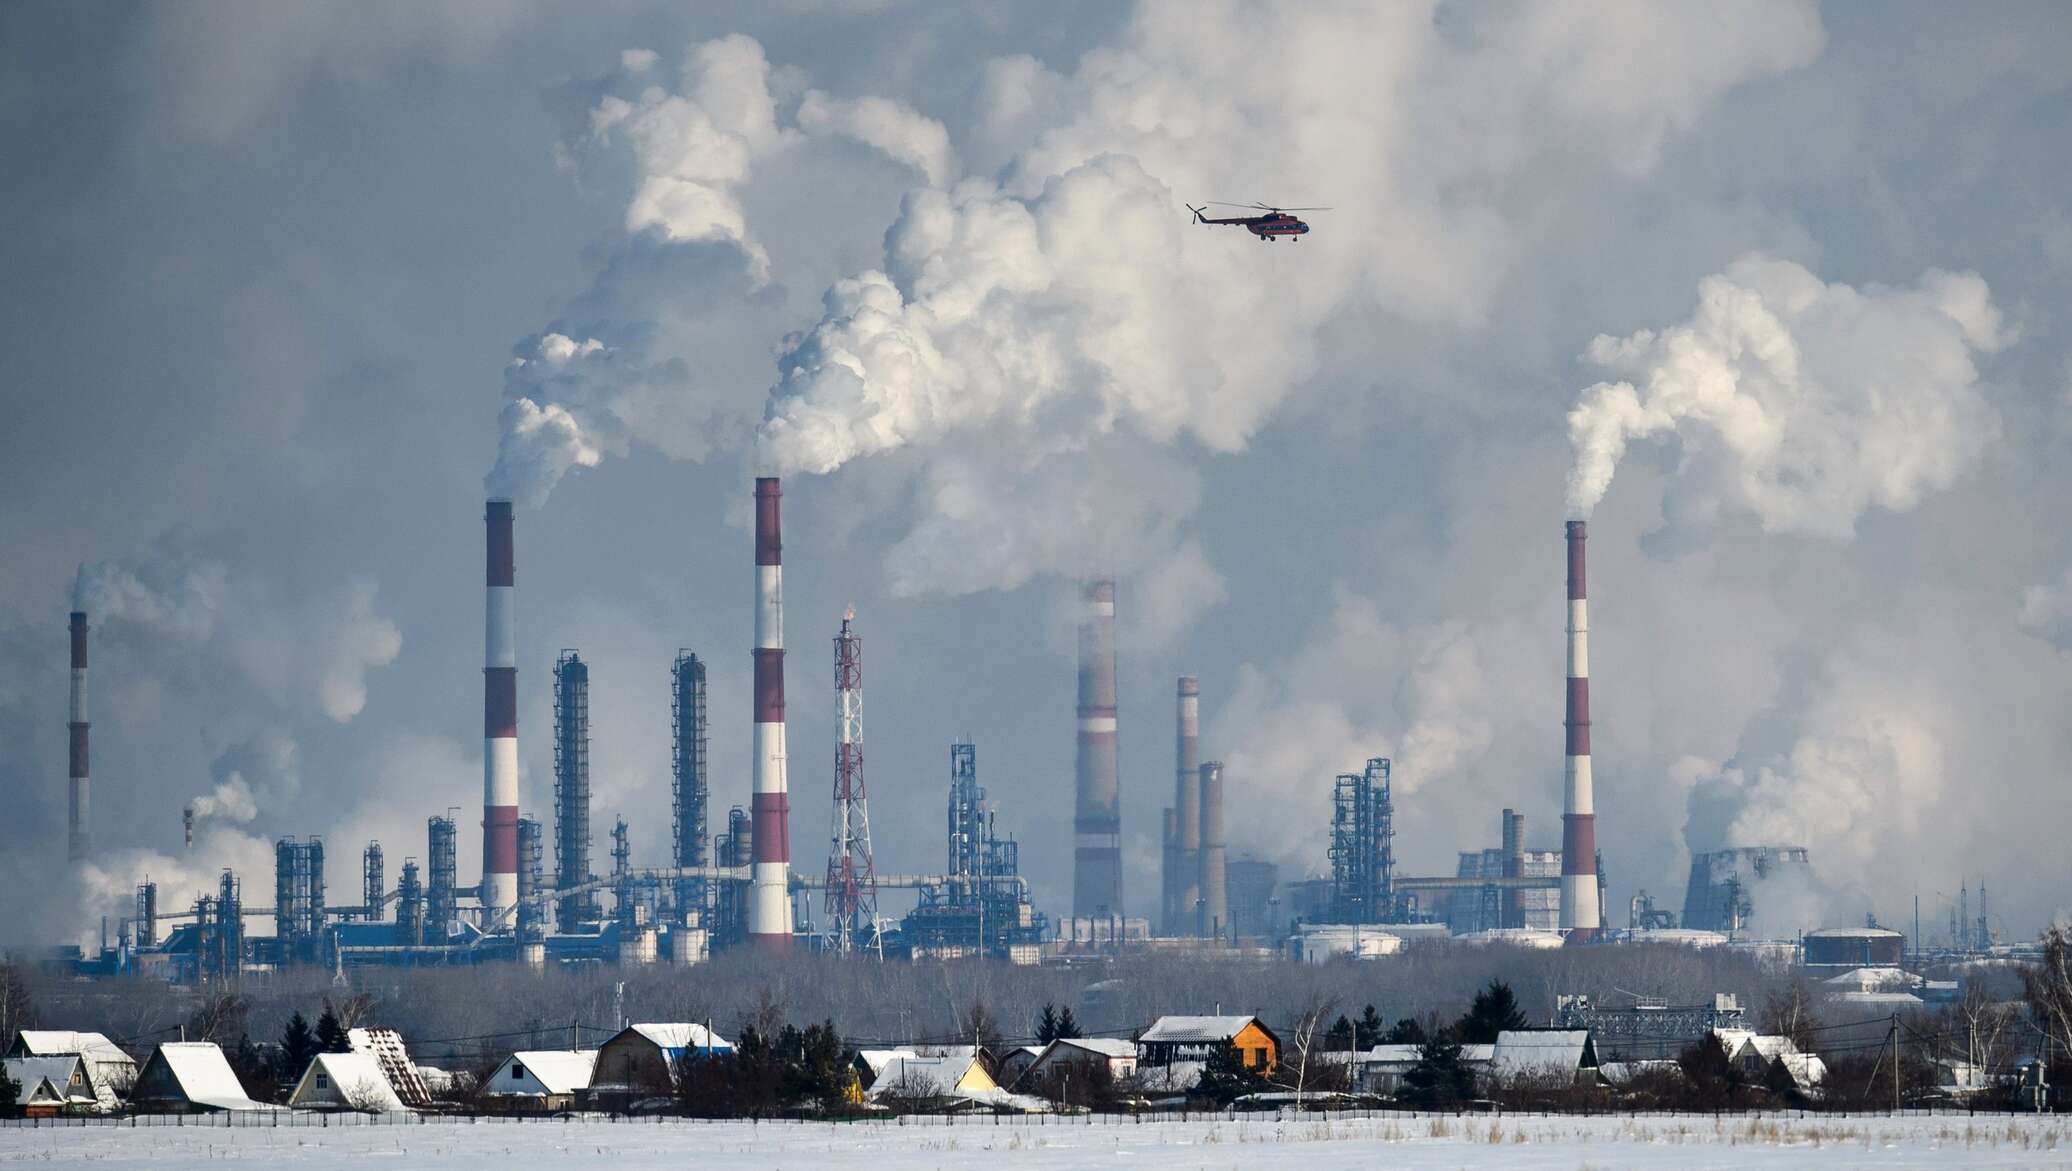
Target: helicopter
1275,222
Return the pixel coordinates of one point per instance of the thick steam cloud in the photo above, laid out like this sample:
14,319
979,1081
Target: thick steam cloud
1802,403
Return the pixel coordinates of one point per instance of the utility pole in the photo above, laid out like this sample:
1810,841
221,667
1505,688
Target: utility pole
1895,1064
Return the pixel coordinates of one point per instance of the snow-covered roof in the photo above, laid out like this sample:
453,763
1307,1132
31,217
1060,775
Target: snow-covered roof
1539,1052
1872,979
931,1077
1194,1030
386,1047
353,1080
203,1076
30,1073
1619,1073
56,1042
673,1039
1110,1047
877,1059
559,1071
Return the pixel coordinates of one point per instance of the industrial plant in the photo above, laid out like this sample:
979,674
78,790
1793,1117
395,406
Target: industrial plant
541,897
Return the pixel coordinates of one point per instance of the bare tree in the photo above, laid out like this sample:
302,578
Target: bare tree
1307,1040
365,1096
2047,985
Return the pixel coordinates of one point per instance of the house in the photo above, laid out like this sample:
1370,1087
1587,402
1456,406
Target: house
938,1082
640,1061
1194,1038
541,1079
1755,1053
346,1081
871,1063
108,1070
386,1047
1084,1057
189,1077
1010,1064
45,1086
1380,1070
1543,1056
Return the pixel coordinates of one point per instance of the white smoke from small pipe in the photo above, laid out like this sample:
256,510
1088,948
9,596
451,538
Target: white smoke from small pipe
1803,403
231,801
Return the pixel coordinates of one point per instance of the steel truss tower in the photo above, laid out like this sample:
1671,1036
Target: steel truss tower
692,796
852,880
572,789
1362,847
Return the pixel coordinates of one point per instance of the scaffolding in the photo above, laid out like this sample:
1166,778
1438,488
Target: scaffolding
298,899
220,931
1363,847
147,913
687,762
572,790
530,875
852,877
982,906
442,894
373,884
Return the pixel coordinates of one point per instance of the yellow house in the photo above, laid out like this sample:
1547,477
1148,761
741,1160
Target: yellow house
957,1074
1192,1038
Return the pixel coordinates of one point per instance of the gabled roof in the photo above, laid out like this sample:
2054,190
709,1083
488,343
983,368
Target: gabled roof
32,1073
386,1047
354,1080
1113,1048
56,1042
932,1077
559,1071
1194,1030
876,1060
200,1074
674,1039
1529,1052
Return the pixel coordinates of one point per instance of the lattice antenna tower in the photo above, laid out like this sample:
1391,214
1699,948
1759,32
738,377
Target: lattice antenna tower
852,880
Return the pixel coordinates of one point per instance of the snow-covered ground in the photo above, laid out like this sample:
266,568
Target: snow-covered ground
1679,1143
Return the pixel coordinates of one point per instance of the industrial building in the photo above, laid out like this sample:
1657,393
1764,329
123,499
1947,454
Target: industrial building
1720,895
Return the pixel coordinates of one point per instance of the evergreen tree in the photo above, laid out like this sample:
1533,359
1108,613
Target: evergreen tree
1494,1011
1047,1025
1225,1077
1368,1030
331,1036
1405,1032
1438,1080
10,1090
1068,1026
298,1048
254,1072
1340,1035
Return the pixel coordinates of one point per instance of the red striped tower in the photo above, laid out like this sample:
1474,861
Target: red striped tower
81,839
1579,905
500,723
769,895
1097,821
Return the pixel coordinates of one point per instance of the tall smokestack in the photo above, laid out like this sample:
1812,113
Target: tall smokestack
1097,820
81,839
769,895
500,722
1513,867
1187,802
1579,905
1215,902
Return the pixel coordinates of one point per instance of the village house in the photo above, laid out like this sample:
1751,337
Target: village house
639,1062
1083,1058
346,1081
1173,1039
544,1080
107,1070
189,1077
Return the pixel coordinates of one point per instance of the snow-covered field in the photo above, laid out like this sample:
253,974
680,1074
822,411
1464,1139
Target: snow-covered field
1680,1143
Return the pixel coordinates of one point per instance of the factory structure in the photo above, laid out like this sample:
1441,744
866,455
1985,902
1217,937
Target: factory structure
728,880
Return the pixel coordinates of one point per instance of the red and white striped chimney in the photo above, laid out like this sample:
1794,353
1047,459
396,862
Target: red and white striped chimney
1579,901
81,840
769,894
500,723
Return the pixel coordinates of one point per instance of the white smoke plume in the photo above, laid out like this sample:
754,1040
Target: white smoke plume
231,800
576,397
1021,319
2046,611
360,640
173,595
1803,403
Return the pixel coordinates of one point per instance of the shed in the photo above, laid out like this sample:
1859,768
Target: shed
190,1077
1194,1038
110,1071
640,1061
1548,1055
542,1079
346,1081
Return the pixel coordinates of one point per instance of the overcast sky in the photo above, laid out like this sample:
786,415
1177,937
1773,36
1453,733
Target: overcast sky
1772,290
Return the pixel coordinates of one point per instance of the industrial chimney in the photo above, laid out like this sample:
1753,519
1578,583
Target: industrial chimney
1187,806
81,840
769,896
1580,916
1215,903
500,724
1097,821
